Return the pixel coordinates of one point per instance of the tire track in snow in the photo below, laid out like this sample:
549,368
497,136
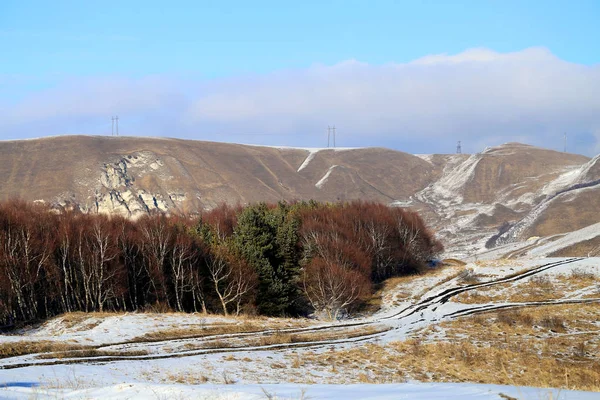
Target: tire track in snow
432,302
444,296
493,307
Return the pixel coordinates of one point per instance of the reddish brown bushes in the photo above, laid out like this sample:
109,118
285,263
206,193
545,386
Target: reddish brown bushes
277,259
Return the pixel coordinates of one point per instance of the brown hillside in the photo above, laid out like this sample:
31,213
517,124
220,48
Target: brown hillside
465,198
515,169
568,212
132,175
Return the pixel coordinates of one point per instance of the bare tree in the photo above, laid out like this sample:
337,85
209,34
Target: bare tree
182,257
232,278
331,289
157,240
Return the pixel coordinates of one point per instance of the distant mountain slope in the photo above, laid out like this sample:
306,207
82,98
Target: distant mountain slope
518,189
131,176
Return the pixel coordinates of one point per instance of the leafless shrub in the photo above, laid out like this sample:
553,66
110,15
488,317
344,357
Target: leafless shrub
92,353
468,276
580,349
542,282
227,379
554,323
580,273
512,317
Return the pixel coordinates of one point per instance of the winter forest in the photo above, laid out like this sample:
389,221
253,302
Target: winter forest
267,259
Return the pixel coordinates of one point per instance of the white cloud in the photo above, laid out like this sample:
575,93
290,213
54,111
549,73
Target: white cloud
478,96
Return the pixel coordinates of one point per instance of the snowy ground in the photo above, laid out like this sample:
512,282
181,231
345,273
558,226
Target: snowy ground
415,390
537,247
267,356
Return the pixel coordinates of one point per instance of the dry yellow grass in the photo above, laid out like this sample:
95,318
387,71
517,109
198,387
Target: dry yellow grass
245,325
277,338
50,349
201,331
71,319
92,353
551,346
397,289
13,349
453,262
319,336
535,289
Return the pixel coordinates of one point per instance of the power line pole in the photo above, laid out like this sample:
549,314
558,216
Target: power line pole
334,136
458,148
565,142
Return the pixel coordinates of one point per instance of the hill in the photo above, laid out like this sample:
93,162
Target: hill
511,192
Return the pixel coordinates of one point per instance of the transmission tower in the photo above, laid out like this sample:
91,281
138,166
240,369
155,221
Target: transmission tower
330,135
115,124
458,148
333,136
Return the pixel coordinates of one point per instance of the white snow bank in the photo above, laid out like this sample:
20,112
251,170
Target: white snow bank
451,185
95,330
450,391
312,152
571,238
325,177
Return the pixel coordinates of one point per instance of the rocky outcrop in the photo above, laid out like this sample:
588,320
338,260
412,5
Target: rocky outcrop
117,191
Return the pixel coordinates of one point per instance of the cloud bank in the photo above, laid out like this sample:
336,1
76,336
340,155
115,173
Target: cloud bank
479,96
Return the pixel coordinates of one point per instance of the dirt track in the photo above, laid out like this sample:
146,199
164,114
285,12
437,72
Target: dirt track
405,320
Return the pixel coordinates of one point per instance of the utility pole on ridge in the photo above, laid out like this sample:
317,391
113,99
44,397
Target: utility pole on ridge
115,122
334,136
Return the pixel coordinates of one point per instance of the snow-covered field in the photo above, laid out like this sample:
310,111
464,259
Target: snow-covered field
413,390
270,357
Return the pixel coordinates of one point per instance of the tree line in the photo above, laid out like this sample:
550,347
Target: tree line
269,259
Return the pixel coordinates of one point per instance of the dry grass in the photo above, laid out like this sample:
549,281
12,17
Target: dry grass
49,349
20,348
69,320
320,336
468,277
190,378
202,331
551,346
453,262
398,289
245,325
278,338
538,288
92,353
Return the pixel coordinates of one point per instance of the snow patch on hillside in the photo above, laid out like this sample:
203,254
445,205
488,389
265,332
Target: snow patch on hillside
449,189
425,157
563,181
571,238
312,152
308,159
324,179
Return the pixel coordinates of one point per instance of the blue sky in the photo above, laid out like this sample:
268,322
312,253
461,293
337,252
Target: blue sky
277,72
